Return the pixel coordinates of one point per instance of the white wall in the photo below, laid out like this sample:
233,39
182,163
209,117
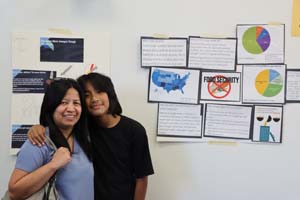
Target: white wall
183,171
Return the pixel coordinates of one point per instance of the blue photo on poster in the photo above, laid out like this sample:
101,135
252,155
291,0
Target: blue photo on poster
31,81
19,135
61,49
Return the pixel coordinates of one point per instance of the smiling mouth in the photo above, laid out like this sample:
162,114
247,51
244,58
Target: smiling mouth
70,117
94,107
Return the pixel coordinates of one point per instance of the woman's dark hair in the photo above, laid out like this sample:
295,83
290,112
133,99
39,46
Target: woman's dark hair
102,83
54,93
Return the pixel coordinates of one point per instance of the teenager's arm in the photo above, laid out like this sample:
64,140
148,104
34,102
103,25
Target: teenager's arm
141,188
36,135
23,184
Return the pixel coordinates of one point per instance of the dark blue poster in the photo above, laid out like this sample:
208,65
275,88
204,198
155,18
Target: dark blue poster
19,135
31,81
61,49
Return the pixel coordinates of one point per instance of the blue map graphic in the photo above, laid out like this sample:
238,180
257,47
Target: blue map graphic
169,80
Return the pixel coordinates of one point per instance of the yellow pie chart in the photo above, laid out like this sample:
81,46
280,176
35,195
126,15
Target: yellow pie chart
268,83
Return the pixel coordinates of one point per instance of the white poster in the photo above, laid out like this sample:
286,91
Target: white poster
260,44
227,121
179,120
220,86
39,56
173,85
71,55
212,53
163,52
293,85
28,87
264,83
267,124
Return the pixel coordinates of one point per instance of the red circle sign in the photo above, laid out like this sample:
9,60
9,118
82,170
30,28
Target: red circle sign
219,89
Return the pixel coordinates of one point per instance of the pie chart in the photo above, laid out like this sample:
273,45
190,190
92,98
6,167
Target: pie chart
268,83
256,40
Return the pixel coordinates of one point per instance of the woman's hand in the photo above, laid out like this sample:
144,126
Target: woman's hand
60,158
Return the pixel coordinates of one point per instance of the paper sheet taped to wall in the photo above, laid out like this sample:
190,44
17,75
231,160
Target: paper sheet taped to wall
296,18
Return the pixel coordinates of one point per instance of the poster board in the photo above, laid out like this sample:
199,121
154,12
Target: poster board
41,55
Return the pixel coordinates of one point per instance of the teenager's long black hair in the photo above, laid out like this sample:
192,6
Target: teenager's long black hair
102,83
55,92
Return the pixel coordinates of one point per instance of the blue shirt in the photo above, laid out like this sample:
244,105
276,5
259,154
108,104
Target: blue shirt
75,181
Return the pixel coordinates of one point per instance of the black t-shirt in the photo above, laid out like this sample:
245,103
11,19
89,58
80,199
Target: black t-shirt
121,154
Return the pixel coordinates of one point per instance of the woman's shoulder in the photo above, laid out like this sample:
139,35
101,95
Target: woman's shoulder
35,149
31,157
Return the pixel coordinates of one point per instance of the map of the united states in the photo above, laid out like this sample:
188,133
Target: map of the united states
169,80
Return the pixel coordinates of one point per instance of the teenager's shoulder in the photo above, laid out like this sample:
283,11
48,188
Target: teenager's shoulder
129,121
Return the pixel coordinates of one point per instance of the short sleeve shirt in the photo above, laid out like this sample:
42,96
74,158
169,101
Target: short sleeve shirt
121,155
73,181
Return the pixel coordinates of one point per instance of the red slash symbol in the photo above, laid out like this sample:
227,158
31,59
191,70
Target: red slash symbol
220,87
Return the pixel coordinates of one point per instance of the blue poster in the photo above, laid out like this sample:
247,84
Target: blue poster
19,135
61,49
30,81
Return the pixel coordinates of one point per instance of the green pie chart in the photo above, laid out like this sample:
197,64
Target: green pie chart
256,40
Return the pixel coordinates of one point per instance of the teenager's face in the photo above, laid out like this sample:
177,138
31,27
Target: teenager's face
97,102
68,112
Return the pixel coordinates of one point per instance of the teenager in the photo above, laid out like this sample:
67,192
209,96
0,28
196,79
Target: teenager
63,113
122,160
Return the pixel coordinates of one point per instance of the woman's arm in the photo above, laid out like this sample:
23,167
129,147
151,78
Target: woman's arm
23,184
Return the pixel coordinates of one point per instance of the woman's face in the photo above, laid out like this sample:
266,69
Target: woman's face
68,112
97,102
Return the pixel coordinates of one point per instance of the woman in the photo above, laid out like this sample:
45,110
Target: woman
63,113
